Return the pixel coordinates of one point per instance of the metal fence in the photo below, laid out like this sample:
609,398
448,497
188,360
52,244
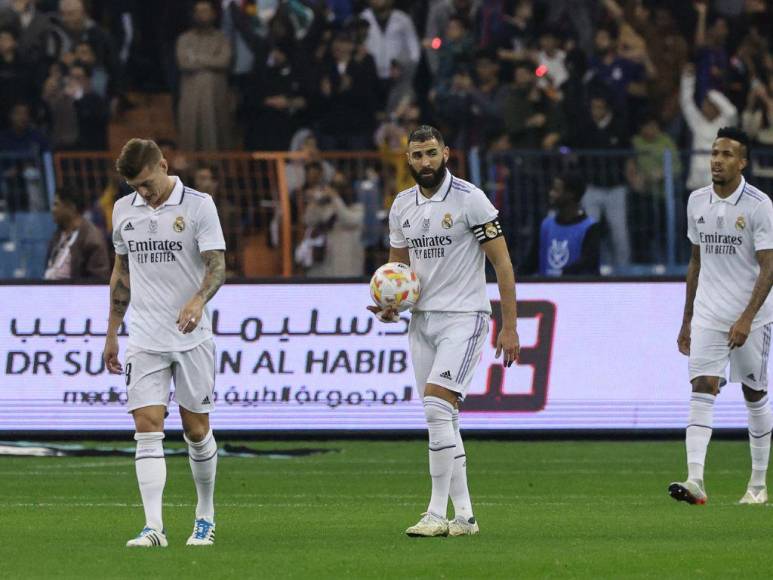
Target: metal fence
638,197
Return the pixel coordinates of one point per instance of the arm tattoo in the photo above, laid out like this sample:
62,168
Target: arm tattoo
214,263
120,295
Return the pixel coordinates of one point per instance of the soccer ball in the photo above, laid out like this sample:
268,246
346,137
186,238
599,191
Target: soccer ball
395,285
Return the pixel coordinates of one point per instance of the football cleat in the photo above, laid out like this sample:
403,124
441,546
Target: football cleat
688,491
752,496
429,526
462,527
149,538
203,534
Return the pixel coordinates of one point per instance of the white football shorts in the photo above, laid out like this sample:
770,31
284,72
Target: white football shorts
446,347
149,373
709,356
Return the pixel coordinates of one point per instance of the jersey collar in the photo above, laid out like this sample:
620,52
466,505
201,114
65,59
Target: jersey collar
175,198
440,194
733,198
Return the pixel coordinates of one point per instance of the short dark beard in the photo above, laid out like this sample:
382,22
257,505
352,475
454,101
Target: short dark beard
430,181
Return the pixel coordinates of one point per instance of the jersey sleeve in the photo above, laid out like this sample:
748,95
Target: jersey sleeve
692,228
482,217
118,241
762,226
396,235
209,234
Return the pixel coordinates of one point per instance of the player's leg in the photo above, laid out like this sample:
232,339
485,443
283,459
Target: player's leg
147,384
464,522
709,355
194,376
423,353
749,365
459,339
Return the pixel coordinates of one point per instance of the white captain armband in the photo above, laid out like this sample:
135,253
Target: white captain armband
488,231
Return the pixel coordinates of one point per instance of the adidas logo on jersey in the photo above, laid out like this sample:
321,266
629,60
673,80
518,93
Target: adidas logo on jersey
128,227
446,375
701,220
406,224
206,400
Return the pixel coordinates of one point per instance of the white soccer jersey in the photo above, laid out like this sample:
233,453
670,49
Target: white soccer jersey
444,249
164,246
729,231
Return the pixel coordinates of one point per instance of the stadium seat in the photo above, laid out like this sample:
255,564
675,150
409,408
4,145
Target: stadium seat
10,259
34,226
33,255
5,226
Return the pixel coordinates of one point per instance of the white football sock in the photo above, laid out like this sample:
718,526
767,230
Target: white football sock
460,495
203,459
698,435
442,448
760,425
150,465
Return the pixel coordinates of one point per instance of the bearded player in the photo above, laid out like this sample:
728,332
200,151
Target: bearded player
445,228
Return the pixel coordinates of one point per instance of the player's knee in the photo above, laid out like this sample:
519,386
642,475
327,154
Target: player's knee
751,395
147,423
437,411
707,385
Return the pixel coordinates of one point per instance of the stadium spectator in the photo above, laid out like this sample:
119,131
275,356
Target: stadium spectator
439,13
305,142
607,193
31,27
275,101
757,121
711,57
347,97
72,26
204,57
77,249
392,42
569,241
332,245
619,76
517,33
551,59
16,80
60,109
454,51
21,136
85,55
91,110
716,112
529,116
648,189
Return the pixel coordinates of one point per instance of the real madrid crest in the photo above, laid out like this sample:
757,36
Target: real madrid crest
447,222
179,224
740,223
491,230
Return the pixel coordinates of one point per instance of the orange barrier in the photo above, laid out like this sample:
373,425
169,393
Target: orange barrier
255,194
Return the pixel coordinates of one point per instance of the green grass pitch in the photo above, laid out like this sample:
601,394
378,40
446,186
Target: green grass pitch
569,509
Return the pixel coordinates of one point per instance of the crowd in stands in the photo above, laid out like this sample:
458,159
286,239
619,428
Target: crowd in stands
492,75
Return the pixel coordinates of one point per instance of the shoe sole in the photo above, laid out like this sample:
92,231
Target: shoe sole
417,535
681,493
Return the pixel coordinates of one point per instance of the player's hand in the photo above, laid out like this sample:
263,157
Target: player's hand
739,332
190,315
110,356
683,340
508,342
386,314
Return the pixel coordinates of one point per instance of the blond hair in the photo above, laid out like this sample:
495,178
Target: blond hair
135,156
